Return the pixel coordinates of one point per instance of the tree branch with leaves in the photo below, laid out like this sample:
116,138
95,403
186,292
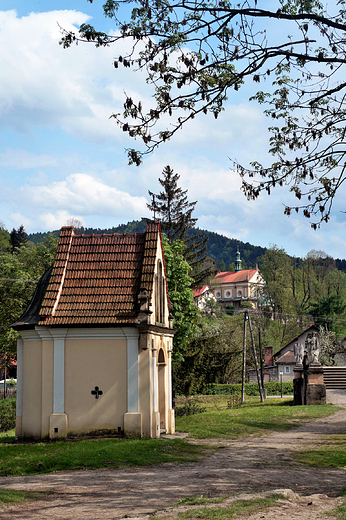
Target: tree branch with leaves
197,52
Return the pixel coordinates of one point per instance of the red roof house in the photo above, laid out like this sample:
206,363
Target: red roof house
98,336
235,287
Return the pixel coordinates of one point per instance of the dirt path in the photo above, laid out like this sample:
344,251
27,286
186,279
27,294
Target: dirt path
250,466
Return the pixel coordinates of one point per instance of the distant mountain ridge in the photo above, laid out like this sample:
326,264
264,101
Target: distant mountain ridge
220,248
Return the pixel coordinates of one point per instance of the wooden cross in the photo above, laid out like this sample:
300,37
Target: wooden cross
97,392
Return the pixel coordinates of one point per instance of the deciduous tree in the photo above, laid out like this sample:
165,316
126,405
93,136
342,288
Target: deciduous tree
196,53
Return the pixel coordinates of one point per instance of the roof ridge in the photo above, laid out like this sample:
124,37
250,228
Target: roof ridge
63,275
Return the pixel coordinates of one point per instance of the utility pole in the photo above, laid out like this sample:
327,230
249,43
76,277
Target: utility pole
246,318
256,364
261,358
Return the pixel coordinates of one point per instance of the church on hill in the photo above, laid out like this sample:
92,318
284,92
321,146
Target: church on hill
233,288
95,345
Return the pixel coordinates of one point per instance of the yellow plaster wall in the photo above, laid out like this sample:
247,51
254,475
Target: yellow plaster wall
32,389
83,371
47,386
145,386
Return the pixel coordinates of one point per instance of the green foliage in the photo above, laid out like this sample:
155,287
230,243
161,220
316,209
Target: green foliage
213,354
251,389
173,206
5,244
218,246
198,53
234,401
180,294
18,238
19,274
7,414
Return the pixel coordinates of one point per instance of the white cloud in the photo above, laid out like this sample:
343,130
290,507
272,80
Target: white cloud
18,219
82,194
51,221
44,84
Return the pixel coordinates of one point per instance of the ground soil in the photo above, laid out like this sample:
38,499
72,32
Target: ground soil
239,468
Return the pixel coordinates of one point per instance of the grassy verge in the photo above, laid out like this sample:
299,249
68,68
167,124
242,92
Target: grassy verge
340,511
331,454
252,418
14,496
30,459
218,421
235,508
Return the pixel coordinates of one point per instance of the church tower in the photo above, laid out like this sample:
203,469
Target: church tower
237,261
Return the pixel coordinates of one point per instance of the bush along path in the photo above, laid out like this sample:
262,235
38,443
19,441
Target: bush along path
254,465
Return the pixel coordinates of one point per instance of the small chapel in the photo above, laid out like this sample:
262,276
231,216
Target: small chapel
95,345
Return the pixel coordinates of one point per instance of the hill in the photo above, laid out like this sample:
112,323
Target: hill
220,248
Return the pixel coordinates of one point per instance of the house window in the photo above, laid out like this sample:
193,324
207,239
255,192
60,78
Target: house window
287,370
228,294
218,295
240,293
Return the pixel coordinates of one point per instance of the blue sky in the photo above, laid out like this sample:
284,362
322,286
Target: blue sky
62,157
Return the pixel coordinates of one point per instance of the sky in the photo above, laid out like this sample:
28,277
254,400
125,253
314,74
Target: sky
62,157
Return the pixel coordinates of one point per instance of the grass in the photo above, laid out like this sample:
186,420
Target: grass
193,501
30,459
14,496
219,421
331,454
252,418
236,508
340,511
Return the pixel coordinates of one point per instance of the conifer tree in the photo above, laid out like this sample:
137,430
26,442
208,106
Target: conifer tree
175,210
173,206
18,238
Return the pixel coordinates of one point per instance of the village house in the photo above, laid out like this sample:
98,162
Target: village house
95,345
233,288
202,295
283,361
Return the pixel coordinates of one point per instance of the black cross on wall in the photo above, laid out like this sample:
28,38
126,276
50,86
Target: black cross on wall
96,392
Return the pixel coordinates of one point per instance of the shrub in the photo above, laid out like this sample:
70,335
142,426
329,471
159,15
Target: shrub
273,388
234,401
7,414
189,407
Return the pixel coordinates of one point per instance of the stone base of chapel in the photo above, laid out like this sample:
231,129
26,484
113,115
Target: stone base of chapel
171,421
133,424
156,431
58,425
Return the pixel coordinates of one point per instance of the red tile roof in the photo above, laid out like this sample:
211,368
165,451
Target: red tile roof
199,291
96,278
288,357
235,277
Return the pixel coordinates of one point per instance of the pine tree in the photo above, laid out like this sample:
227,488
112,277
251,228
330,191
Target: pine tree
175,210
18,238
173,206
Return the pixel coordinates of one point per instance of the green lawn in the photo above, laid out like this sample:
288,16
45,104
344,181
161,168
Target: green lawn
13,496
239,507
332,454
219,421
33,458
251,418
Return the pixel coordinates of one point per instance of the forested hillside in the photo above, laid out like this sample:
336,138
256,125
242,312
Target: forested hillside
219,248
297,292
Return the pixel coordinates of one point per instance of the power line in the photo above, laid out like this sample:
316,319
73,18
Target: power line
17,280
